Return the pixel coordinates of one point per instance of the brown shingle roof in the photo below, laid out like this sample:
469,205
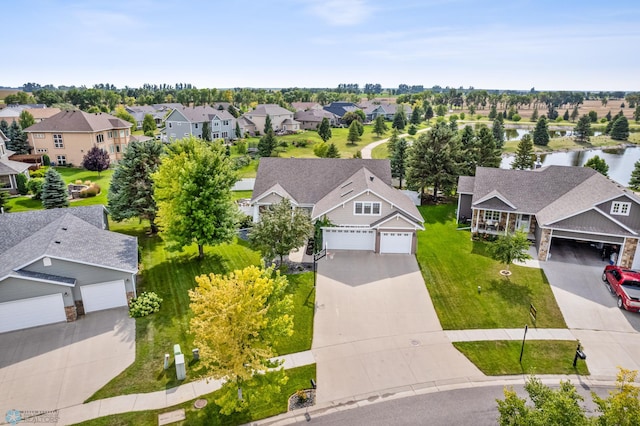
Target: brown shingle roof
79,121
43,113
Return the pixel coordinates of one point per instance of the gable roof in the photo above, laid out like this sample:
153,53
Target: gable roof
43,113
314,115
263,110
10,167
79,121
340,108
310,179
200,114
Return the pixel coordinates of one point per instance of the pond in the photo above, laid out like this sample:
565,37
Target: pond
620,160
517,134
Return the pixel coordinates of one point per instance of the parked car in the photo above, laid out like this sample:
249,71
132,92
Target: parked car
625,283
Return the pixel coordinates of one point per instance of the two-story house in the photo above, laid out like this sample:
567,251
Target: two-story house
281,119
9,169
190,121
67,136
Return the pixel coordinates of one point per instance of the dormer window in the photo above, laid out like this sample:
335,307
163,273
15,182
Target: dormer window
621,209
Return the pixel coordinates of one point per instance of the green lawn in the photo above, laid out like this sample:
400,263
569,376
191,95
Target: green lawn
298,379
453,267
495,358
380,152
241,194
171,275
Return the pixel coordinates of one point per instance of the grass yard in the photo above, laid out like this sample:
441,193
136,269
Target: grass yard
171,275
298,379
380,152
241,194
453,267
496,358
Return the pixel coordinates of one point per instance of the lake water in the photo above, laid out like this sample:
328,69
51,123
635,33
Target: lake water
620,161
517,134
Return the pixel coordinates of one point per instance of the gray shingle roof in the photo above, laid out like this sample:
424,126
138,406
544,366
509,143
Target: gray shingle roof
200,114
41,276
309,179
465,184
79,121
263,110
9,167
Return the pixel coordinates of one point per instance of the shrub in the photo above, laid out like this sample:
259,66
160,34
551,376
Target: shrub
21,182
240,162
302,143
35,187
241,147
320,149
301,394
516,117
87,182
78,182
283,144
146,303
38,173
453,117
46,160
91,191
412,130
462,116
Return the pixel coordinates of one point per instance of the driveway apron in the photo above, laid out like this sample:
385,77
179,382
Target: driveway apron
375,329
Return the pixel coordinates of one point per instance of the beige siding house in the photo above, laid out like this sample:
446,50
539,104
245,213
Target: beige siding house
281,119
67,136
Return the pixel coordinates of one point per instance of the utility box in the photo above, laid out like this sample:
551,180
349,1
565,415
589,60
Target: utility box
176,350
181,370
166,361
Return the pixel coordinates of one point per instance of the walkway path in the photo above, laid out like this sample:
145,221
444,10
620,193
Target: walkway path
509,334
161,399
367,150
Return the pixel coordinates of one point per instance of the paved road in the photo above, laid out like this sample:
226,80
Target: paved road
367,150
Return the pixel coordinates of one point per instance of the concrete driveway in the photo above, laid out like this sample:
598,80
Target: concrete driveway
375,329
60,365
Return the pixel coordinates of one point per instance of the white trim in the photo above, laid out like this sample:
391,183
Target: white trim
620,205
363,203
623,193
393,216
584,232
129,271
498,195
597,210
41,280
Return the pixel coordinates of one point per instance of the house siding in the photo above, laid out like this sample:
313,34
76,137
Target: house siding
632,221
12,289
76,145
590,221
464,203
272,198
397,223
344,214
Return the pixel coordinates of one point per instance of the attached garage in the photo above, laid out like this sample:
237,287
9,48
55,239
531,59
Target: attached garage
31,312
396,242
97,297
339,238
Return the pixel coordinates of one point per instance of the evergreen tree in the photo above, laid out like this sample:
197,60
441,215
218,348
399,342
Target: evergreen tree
399,121
399,160
636,114
324,131
524,154
413,129
26,119
206,131
233,111
493,113
608,116
428,113
267,125
267,144
534,116
149,125
416,115
634,182
332,151
598,164
380,126
620,129
4,197
17,139
354,133
467,137
360,128
565,117
593,116
498,131
583,129
391,145
238,131
574,113
541,132
488,153
54,191
131,190
96,160
4,127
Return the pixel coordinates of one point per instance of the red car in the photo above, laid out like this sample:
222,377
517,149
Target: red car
625,283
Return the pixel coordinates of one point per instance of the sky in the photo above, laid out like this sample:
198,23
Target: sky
516,44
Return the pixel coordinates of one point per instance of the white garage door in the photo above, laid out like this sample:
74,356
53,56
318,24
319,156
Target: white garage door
349,239
395,242
31,312
96,297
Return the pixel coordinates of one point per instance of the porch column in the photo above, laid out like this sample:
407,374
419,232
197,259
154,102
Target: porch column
506,225
545,244
627,253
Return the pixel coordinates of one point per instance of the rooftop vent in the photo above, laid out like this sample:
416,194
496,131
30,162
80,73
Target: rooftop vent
346,184
57,242
371,178
346,193
64,228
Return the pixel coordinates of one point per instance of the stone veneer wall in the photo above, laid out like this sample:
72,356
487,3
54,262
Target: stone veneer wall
511,226
130,296
79,307
71,312
626,260
545,242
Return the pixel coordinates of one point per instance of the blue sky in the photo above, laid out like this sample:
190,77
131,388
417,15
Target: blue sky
516,44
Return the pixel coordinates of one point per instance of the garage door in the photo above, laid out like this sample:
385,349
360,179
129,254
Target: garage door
96,297
31,312
349,239
395,242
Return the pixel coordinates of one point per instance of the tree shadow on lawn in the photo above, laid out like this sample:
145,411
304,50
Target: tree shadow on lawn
511,291
440,213
480,248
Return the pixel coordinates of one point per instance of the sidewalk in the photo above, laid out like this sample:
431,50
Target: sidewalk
509,334
161,399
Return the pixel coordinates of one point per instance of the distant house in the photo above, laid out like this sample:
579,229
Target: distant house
386,110
38,111
9,169
61,263
282,119
354,195
311,119
189,121
341,108
305,106
67,136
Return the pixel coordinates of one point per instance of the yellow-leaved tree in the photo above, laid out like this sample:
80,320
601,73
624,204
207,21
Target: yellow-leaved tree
237,320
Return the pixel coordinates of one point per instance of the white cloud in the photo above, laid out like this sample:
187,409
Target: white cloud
341,12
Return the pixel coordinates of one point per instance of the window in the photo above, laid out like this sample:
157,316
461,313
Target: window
225,123
196,125
39,135
122,133
170,124
100,138
491,215
57,141
225,134
117,148
216,124
620,208
111,149
110,134
216,136
62,160
42,150
126,132
366,208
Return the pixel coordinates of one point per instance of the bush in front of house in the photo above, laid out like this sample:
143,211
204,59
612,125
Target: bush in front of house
146,303
21,182
35,187
91,191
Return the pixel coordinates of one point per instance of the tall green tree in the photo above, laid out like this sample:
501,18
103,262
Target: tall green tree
193,193
354,133
524,154
281,229
324,130
598,164
399,120
534,116
510,247
54,191
428,113
26,119
488,155
433,160
636,114
267,144
122,114
498,131
620,129
583,129
493,112
131,190
541,132
380,126
574,113
149,125
416,115
268,126
395,136
4,127
399,160
17,139
332,151
634,182
4,197
237,320
565,117
238,131
206,131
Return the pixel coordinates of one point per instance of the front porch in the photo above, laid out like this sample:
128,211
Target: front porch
496,222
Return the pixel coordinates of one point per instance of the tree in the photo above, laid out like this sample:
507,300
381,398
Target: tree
206,131
510,247
54,191
598,164
267,144
281,229
399,160
433,160
428,113
488,155
380,126
324,131
122,114
17,139
268,127
193,193
131,190
636,114
238,131
541,132
620,129
416,115
608,116
622,406
350,117
498,131
634,182
399,120
441,110
354,134
593,116
392,141
493,113
360,127
96,160
149,125
565,117
26,119
583,129
320,149
4,127
534,116
237,320
574,113
332,151
4,197
524,154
